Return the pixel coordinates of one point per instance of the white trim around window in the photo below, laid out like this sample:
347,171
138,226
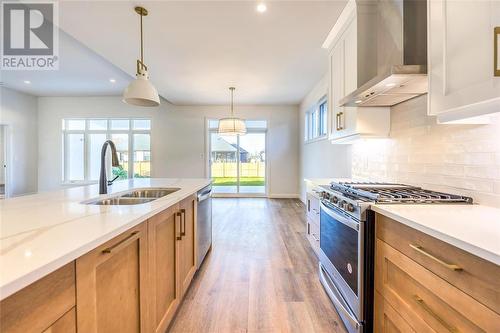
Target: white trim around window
88,168
316,121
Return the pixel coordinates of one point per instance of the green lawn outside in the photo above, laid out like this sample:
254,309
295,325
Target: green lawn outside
244,181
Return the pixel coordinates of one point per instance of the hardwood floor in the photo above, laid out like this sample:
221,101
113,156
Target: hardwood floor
261,275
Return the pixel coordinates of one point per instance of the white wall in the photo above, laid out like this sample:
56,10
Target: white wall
2,153
178,137
320,159
19,112
461,159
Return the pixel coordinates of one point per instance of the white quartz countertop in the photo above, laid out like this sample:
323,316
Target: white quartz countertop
472,228
42,232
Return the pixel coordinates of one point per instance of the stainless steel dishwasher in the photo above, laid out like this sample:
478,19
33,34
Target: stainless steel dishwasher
204,223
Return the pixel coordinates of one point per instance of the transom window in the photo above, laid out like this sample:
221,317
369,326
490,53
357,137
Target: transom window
316,120
83,140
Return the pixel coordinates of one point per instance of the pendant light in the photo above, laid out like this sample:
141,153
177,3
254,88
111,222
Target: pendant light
141,92
232,125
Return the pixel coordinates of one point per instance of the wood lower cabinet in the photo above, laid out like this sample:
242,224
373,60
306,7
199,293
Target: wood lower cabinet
111,285
187,252
387,320
65,324
44,306
164,238
413,291
132,283
172,260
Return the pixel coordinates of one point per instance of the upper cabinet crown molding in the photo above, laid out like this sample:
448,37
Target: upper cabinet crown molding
461,52
348,14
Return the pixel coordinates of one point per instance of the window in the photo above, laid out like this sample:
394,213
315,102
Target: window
316,120
83,140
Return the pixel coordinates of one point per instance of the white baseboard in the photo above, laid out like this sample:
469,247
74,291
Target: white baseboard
284,196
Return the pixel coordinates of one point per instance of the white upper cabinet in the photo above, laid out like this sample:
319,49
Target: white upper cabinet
350,123
461,58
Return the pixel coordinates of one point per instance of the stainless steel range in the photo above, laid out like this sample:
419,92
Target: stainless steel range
347,237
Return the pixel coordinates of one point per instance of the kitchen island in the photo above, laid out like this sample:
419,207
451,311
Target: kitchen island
57,234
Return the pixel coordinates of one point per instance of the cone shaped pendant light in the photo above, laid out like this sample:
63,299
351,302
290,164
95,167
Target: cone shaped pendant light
141,92
232,125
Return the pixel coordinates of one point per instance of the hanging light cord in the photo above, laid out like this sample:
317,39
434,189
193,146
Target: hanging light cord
232,92
140,63
142,43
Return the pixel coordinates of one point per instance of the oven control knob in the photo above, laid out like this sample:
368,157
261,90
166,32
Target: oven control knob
342,204
350,207
334,199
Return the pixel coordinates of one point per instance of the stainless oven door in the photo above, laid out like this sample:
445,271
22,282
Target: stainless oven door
342,255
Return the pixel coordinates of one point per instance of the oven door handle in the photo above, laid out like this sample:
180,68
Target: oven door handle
335,296
342,219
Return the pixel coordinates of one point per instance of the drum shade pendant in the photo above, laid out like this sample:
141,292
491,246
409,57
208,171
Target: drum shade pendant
141,92
232,125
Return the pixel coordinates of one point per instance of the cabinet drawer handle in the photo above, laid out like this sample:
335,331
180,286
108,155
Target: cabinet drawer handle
427,309
421,250
180,224
123,243
183,216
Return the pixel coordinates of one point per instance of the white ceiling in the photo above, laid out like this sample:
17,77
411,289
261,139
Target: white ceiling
81,73
197,49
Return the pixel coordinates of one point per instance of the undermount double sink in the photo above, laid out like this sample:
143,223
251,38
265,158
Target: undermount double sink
135,197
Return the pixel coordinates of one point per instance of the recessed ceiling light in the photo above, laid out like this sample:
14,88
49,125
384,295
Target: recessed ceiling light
27,81
261,7
112,80
390,85
358,101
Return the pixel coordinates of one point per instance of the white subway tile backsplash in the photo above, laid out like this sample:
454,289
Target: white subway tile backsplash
461,159
486,172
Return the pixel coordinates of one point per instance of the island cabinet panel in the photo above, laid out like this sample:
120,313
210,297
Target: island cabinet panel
42,305
188,241
65,324
425,301
164,238
387,319
112,282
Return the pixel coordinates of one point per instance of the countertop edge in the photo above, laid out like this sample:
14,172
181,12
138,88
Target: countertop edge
25,280
463,245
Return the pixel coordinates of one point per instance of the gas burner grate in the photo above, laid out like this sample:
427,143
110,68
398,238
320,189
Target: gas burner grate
397,193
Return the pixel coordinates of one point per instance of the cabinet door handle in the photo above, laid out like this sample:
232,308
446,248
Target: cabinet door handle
421,250
337,121
427,309
180,224
123,243
314,236
341,125
183,216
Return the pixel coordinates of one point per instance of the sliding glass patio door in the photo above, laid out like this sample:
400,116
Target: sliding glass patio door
238,163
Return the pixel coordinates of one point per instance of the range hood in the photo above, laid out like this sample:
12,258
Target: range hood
400,49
